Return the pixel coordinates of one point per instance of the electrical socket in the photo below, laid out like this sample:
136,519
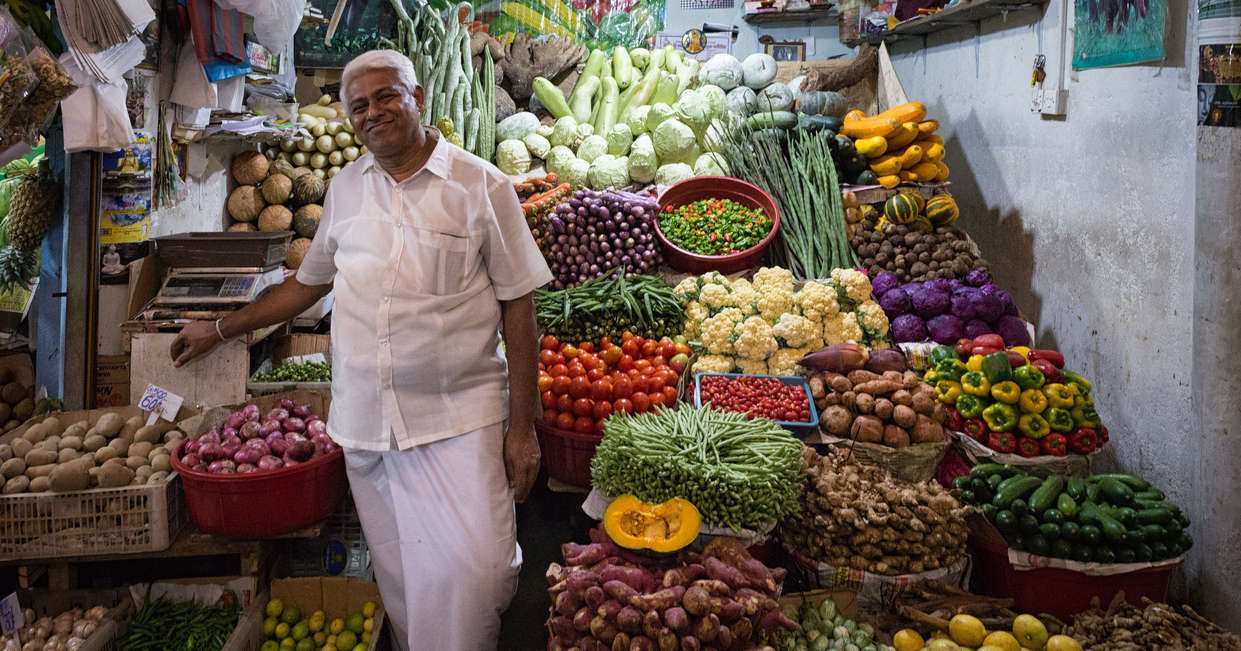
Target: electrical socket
1049,102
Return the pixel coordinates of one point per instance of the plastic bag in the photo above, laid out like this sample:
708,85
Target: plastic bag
95,115
21,134
17,77
274,22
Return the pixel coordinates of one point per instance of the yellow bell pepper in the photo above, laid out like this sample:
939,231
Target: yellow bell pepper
1006,392
948,391
1024,351
1032,401
1058,396
974,363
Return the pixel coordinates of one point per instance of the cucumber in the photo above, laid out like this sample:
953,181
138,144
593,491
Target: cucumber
1082,552
1111,529
1144,553
1127,516
994,480
1153,495
1114,491
961,483
1092,492
1153,532
1104,554
1027,524
1061,548
1045,496
1053,516
1135,483
1017,541
772,120
1125,555
987,469
1038,544
1020,487
982,491
1067,505
1161,550
1134,537
1050,530
1076,488
1005,520
1171,508
989,511
1186,541
1070,530
1090,534
968,496
1019,507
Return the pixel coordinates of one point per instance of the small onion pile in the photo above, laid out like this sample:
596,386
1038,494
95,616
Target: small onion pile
251,442
595,232
64,632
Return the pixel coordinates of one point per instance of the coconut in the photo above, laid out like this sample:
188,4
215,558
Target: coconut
306,219
297,252
242,227
277,188
250,167
275,218
245,203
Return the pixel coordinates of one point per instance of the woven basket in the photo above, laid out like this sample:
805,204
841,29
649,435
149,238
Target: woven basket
916,463
1044,465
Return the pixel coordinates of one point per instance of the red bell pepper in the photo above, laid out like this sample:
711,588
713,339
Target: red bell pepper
1015,360
984,350
990,341
1001,441
1050,355
963,347
1048,370
955,422
1055,445
1102,436
976,429
1083,440
1028,447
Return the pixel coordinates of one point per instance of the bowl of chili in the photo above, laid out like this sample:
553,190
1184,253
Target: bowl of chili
729,209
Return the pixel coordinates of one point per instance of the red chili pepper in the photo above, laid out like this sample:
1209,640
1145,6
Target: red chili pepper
1055,445
1028,447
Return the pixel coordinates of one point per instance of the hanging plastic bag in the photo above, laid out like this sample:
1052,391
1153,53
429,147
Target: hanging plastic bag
274,22
22,132
17,78
95,115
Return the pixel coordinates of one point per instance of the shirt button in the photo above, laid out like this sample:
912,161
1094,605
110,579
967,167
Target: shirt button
386,299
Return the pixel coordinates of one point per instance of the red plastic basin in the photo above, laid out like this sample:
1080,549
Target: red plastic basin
567,454
716,187
262,504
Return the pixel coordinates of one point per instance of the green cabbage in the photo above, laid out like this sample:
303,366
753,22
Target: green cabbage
673,173
592,147
694,109
637,119
659,113
723,70
565,131
710,165
642,160
537,145
619,139
557,158
517,126
608,171
512,157
673,140
716,99
575,172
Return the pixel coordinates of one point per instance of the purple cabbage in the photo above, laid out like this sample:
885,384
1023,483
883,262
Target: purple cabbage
988,307
955,284
965,303
989,288
978,278
929,302
908,328
895,302
946,329
911,288
1013,330
1007,306
976,328
940,284
884,282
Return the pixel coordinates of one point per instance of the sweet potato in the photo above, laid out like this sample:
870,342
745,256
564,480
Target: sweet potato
603,630
696,600
927,431
902,397
629,620
775,620
725,638
727,609
610,609
659,601
581,619
683,575
567,603
923,403
841,384
861,376
883,409
715,587
877,387
575,554
867,429
904,416
895,437
754,602
651,624
620,591
562,628
677,620
836,420
707,628
594,597
620,642
720,571
742,630
667,640
864,403
690,643
636,578
818,388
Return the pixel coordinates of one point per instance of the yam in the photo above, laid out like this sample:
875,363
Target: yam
867,429
135,463
72,476
883,409
864,403
66,455
903,397
140,449
895,437
904,416
54,425
841,384
39,457
131,427
39,471
836,420
21,447
35,433
13,393
147,434
113,475
6,452
157,477
12,468
110,424
70,442
17,484
93,443
23,410
40,484
877,387
102,455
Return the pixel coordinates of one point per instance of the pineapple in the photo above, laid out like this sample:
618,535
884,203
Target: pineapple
17,266
30,210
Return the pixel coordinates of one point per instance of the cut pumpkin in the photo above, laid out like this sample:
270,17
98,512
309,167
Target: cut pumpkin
667,527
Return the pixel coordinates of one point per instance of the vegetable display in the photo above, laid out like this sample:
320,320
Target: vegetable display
539,198
16,401
297,372
1125,627
757,397
966,630
609,304
895,146
1111,518
162,624
595,232
765,325
278,192
607,598
580,388
65,632
918,251
250,442
739,473
59,456
945,310
287,622
858,516
324,146
891,408
714,226
823,622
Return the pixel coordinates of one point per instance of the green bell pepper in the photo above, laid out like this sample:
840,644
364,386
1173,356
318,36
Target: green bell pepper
941,353
1028,377
969,406
1033,426
950,369
1007,392
1001,417
997,368
976,384
1073,378
947,391
1084,416
1059,419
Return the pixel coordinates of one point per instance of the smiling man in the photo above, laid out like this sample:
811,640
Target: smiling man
427,250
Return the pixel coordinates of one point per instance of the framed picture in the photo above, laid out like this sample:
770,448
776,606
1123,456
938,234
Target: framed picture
787,50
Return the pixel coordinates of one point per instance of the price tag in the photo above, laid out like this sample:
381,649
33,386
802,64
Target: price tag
306,359
11,618
161,403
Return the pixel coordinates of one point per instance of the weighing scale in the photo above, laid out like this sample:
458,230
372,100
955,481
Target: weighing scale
215,288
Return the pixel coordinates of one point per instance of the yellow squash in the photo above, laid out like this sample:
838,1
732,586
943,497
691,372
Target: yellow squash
857,125
907,112
907,133
871,147
927,127
634,524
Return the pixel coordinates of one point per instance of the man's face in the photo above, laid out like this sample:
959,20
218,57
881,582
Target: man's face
385,114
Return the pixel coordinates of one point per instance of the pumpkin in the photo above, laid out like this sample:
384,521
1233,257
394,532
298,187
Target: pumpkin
667,527
297,252
245,203
306,219
821,102
917,197
942,209
900,208
250,167
308,188
275,218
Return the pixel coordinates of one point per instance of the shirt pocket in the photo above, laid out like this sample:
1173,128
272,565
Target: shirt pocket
436,262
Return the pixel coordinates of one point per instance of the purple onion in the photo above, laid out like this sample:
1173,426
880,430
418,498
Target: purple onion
316,427
210,452
260,445
246,468
235,419
301,450
229,433
212,436
270,463
222,466
289,461
231,446
192,445
277,444
277,414
268,426
190,460
247,455
285,404
249,430
302,411
200,467
251,411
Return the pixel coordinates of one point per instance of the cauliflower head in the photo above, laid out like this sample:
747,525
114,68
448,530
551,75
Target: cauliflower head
796,330
841,328
784,361
743,296
716,332
695,314
854,282
752,366
817,301
773,302
713,364
687,289
873,317
752,339
779,278
715,296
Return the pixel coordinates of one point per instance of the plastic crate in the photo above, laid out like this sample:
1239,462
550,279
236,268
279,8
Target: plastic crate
799,429
340,550
96,521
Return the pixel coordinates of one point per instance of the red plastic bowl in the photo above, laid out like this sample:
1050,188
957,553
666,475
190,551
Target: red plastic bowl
567,454
262,504
716,187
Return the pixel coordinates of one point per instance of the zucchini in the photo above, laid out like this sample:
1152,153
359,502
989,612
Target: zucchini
1045,496
1111,528
1153,495
1067,505
1153,532
1135,483
1076,488
1018,488
818,123
772,120
1114,491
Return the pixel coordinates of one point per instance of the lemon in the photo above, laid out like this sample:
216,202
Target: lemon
318,614
360,647
274,608
320,638
939,635
291,615
908,640
355,623
1030,632
941,644
1003,640
316,623
269,626
1062,643
282,630
331,641
270,645
288,643
305,644
368,609
346,640
366,638
300,631
967,630
336,626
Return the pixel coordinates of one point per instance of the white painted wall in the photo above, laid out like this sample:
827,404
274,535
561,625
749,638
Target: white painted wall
822,38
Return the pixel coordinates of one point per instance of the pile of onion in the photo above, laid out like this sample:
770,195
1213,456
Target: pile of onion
64,632
251,442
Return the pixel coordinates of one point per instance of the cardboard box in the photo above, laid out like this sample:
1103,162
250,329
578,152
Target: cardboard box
109,632
112,381
298,344
218,378
336,597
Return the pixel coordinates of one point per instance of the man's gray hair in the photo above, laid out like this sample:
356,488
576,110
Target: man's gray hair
378,60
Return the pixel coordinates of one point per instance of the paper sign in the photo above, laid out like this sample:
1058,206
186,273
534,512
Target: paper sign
161,403
11,618
318,358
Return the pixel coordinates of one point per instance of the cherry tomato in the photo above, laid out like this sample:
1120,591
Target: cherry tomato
595,374
622,405
631,348
612,355
564,403
601,390
641,402
667,348
560,384
642,365
650,348
682,348
579,387
657,398
576,369
670,396
570,351
583,406
622,387
602,410
584,425
565,420
591,361
624,364
545,382
548,399
587,347
550,416
550,343
549,358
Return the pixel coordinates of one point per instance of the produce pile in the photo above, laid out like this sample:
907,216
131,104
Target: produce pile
895,146
739,473
823,622
893,408
714,226
275,196
580,388
327,144
539,198
595,232
287,435
161,624
58,456
967,631
756,397
66,631
16,401
946,310
923,248
286,622
858,516
1125,627
27,206
603,306
297,372
763,326
605,597
1016,401
1111,518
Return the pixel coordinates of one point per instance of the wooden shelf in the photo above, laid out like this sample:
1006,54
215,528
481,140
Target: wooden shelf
962,13
814,14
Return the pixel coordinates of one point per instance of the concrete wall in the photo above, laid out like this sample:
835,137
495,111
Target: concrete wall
822,38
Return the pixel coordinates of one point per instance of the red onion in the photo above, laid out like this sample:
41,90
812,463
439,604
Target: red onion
289,462
301,411
269,462
277,443
210,452
285,404
294,424
222,465
235,419
314,427
301,450
313,418
212,436
190,460
231,447
322,439
191,446
249,430
277,414
247,455
229,433
260,445
251,412
200,467
246,468
268,426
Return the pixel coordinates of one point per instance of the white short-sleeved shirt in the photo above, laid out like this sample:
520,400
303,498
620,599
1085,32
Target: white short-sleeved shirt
419,269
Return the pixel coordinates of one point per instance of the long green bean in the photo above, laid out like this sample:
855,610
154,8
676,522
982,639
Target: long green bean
608,306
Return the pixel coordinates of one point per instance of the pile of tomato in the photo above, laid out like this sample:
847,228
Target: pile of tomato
582,384
758,397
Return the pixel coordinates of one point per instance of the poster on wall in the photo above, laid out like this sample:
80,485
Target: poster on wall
362,24
696,44
1219,63
124,208
1118,32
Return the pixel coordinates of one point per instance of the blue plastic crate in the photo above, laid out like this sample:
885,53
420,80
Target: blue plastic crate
799,429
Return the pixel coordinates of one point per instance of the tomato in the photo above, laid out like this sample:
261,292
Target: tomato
583,406
548,358
642,365
659,361
622,405
640,384
550,416
601,390
550,343
599,426
641,402
591,361
548,399
545,382
604,343
670,396
657,398
570,351
631,348
564,402
678,362
627,336
669,377
602,410
654,384
579,387
650,348
587,347
612,355
560,384
667,348
557,370
596,374
682,348
576,369
565,420
622,387
624,364
584,425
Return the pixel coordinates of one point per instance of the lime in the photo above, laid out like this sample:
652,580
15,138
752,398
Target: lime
355,623
320,638
300,631
366,637
305,644
346,641
369,624
360,647
336,626
274,608
270,645
368,609
269,626
316,623
282,630
331,641
291,615
287,643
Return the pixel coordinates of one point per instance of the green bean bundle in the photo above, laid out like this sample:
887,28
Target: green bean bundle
608,306
160,625
739,473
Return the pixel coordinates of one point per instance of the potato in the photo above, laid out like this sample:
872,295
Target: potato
818,388
105,453
927,430
131,427
6,412
78,431
52,442
848,398
144,472
140,449
13,392
17,484
12,468
120,445
911,379
67,454
71,442
110,424
39,471
40,457
162,462
21,447
895,437
40,484
23,410
6,452
157,451
55,425
135,463
171,446
174,435
72,476
836,420
904,416
93,443
35,433
865,403
12,424
867,429
903,397
923,403
157,477
116,461
840,384
883,409
114,475
147,434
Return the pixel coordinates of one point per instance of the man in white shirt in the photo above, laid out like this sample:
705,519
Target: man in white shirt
430,258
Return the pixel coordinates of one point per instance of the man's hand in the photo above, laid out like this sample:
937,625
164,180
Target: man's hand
195,340
521,459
